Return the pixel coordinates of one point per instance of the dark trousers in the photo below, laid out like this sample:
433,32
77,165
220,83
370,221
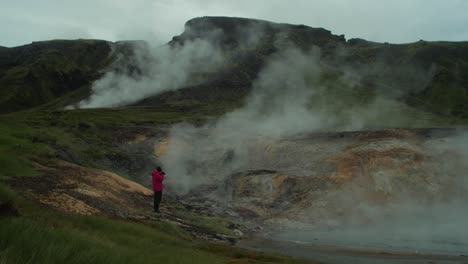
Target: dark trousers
157,200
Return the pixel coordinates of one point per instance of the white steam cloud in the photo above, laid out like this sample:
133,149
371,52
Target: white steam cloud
427,214
289,99
164,68
277,107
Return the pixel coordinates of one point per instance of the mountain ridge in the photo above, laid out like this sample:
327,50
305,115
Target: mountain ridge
51,75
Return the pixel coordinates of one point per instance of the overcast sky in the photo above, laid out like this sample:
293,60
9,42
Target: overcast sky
395,21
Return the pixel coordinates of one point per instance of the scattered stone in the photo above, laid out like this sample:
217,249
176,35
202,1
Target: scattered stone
258,228
238,233
231,240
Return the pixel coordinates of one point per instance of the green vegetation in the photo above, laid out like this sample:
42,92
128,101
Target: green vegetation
87,135
351,106
17,150
41,235
7,197
212,224
450,101
427,76
43,71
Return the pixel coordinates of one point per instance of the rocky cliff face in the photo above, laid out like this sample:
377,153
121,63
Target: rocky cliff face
233,33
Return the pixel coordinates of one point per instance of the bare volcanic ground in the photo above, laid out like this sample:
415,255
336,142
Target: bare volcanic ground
70,188
75,189
396,190
400,193
338,176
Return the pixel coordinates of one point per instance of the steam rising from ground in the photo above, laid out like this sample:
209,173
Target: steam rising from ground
293,96
430,218
156,70
287,101
288,98
277,107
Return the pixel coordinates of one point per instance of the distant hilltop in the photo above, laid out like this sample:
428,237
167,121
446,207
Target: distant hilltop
429,76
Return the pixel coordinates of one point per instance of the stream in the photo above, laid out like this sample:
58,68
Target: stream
331,251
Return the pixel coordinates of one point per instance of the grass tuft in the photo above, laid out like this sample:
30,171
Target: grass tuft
45,236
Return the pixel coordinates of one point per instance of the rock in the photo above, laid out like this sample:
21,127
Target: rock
246,213
229,239
238,232
7,209
232,213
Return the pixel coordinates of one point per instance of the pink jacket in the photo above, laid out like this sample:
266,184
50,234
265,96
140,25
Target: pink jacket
158,178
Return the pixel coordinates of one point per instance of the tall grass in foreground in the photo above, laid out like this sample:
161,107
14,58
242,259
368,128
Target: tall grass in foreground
41,235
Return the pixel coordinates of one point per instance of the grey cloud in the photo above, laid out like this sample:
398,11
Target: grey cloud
392,21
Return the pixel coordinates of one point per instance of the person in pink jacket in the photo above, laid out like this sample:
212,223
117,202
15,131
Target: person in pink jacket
158,178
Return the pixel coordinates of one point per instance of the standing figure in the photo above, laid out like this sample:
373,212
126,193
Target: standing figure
158,178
